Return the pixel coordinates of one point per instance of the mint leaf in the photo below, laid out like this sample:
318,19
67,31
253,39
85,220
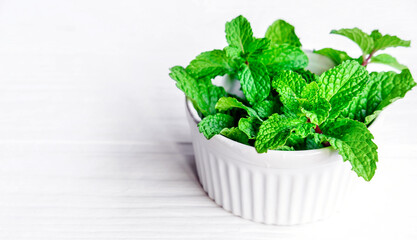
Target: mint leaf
281,32
387,41
235,134
239,33
375,35
307,75
202,93
289,85
283,57
354,142
265,108
364,41
250,126
255,82
275,131
214,124
226,103
336,56
342,84
387,60
210,64
315,107
387,88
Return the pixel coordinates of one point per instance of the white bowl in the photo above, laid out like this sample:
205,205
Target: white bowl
277,187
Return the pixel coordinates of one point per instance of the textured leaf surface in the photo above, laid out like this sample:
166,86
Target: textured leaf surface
214,124
354,142
387,60
255,82
275,131
256,48
210,64
239,33
342,84
283,57
387,88
281,32
250,126
235,134
265,108
307,75
289,85
364,41
315,107
226,103
336,56
202,93
387,41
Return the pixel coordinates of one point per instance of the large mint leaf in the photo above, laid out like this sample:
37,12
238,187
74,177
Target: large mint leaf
354,142
342,84
235,134
214,124
250,126
281,32
289,85
202,93
315,107
275,131
283,57
387,41
226,103
239,33
336,56
387,88
210,64
255,82
388,60
364,41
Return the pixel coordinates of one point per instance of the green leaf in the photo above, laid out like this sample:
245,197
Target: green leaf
214,124
255,82
283,57
307,75
250,126
265,108
226,103
354,142
387,41
210,64
342,84
387,60
364,41
239,33
387,88
315,107
275,131
202,93
281,32
289,85
375,35
235,134
336,56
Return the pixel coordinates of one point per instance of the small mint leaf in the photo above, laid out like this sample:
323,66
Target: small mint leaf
336,56
250,126
239,33
226,103
388,60
364,41
235,134
281,32
214,124
387,41
210,64
289,85
255,82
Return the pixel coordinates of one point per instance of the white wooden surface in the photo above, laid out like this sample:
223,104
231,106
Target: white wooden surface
93,137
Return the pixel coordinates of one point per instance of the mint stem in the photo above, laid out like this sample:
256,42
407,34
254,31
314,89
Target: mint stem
366,61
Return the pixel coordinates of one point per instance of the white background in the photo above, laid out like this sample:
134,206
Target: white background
93,137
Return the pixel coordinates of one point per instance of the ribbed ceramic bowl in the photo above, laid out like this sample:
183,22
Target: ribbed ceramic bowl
277,187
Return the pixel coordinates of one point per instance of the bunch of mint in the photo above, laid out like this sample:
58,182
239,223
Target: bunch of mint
286,107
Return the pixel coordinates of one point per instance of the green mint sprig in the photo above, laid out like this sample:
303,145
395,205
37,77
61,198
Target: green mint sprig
286,107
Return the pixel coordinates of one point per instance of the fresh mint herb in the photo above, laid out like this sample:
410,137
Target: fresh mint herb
287,107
